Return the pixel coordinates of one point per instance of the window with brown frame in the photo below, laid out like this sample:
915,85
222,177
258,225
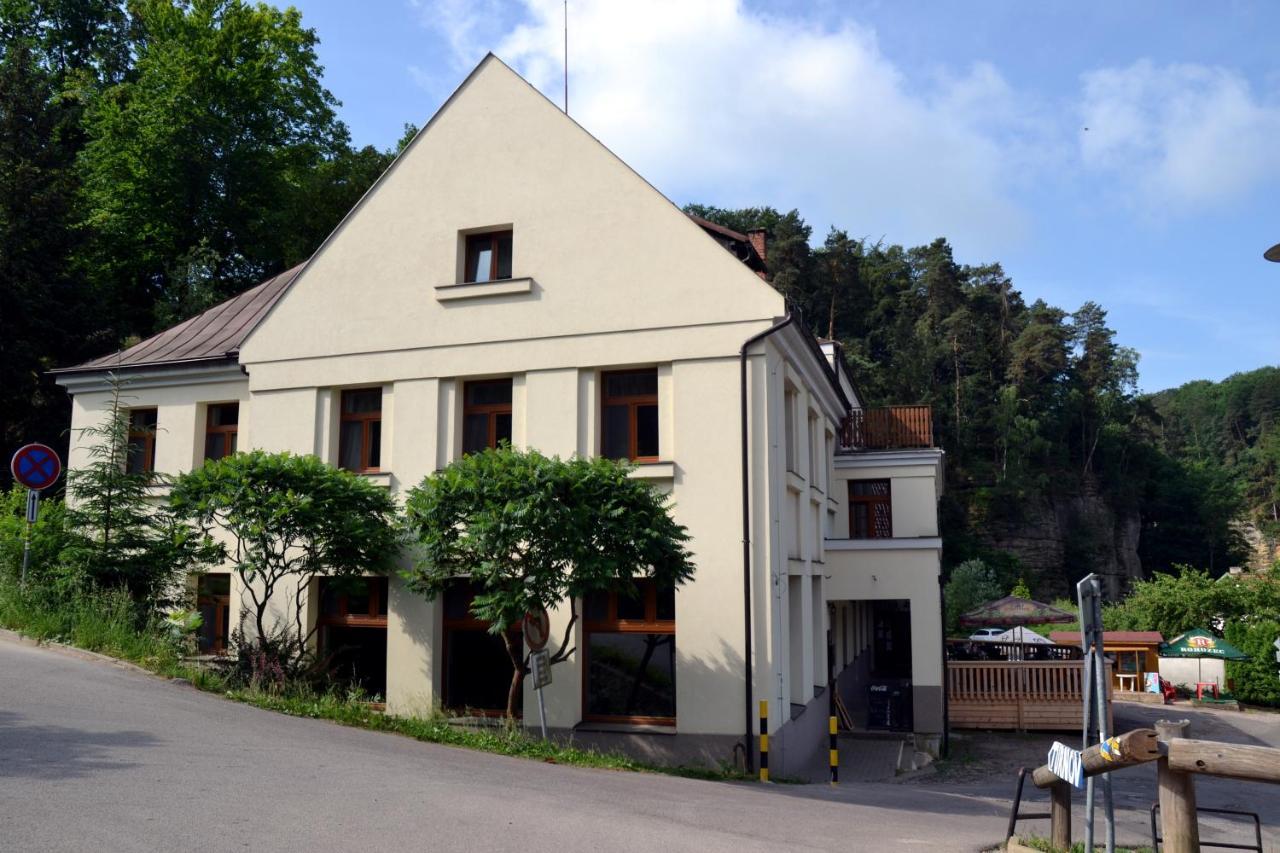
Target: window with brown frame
629,415
477,669
141,456
870,510
352,627
486,414
213,600
360,430
488,257
630,655
221,425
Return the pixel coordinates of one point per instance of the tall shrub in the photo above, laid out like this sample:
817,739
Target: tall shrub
284,520
121,536
534,531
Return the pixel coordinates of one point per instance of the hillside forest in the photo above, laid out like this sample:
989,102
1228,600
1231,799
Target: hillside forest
145,177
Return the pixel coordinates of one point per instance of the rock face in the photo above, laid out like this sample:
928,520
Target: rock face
1064,538
1263,552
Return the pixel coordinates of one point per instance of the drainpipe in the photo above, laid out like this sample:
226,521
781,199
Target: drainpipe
746,533
946,702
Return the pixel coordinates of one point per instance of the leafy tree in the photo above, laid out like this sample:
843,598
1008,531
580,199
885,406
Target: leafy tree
1172,604
281,522
1255,680
533,531
972,584
1020,589
119,537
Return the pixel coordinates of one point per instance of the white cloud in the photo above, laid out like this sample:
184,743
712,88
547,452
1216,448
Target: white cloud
716,103
1179,135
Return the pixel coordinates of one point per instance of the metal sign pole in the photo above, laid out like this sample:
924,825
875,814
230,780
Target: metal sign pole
33,507
1094,688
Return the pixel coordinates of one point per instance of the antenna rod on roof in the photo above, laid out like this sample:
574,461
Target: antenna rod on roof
566,57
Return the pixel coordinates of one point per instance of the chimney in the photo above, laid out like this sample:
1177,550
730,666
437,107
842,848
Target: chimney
757,238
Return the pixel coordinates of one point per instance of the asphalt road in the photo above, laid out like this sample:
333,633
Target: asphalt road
95,757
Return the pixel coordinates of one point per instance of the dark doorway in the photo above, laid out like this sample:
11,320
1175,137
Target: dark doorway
891,657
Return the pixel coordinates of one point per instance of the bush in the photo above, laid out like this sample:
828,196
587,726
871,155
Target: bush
972,583
49,539
1256,680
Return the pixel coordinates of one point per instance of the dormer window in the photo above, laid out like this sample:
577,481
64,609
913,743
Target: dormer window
488,257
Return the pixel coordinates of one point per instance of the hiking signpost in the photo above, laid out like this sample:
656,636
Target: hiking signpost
37,467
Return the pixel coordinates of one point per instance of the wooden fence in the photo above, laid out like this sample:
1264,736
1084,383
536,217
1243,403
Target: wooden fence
1018,695
888,428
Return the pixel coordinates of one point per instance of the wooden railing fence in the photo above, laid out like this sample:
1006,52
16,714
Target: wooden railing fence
889,428
1017,694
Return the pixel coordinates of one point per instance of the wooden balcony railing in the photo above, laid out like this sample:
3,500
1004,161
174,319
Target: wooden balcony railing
889,428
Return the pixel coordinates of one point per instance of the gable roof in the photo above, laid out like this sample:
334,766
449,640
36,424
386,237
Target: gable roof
213,335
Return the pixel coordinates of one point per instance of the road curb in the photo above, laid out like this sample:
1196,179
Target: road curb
73,652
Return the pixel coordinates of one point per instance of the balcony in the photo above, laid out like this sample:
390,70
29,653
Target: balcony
888,428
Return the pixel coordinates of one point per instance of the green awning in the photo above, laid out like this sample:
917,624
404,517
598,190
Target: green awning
1200,643
1012,611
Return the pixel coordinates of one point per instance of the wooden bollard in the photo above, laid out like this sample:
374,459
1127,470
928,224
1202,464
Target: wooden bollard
1060,815
1177,796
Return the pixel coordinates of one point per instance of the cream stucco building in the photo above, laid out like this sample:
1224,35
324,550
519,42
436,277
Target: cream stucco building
510,278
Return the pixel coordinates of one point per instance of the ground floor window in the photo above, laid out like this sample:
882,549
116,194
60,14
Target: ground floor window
630,655
477,669
213,600
353,632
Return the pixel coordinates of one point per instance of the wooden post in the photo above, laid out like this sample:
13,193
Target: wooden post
1177,796
1060,815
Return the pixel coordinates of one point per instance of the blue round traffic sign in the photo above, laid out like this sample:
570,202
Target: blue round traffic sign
36,466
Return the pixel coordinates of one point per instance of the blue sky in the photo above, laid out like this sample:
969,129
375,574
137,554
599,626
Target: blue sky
911,120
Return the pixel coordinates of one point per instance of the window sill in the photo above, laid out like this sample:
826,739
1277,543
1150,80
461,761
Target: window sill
654,471
378,478
921,543
626,728
795,482
473,290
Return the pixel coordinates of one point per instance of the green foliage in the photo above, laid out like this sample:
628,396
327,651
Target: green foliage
1020,589
49,537
98,620
972,583
120,537
533,531
1172,604
155,158
1256,680
283,520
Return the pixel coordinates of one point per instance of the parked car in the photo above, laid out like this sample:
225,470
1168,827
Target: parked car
986,633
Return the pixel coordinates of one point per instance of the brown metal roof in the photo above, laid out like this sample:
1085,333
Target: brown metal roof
213,335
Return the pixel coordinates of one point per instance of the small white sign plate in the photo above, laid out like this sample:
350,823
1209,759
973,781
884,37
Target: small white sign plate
1066,765
540,663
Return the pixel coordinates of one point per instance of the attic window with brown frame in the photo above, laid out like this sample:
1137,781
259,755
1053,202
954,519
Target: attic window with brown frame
488,257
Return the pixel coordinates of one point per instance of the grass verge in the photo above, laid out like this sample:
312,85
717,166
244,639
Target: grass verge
104,623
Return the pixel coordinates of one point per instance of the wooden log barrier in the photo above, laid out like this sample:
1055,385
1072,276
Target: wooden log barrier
1234,761
1177,792
1127,750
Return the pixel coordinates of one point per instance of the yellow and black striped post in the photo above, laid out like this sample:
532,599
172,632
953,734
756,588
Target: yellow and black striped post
834,751
764,740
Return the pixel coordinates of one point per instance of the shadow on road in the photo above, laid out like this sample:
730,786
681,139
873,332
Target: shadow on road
56,752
